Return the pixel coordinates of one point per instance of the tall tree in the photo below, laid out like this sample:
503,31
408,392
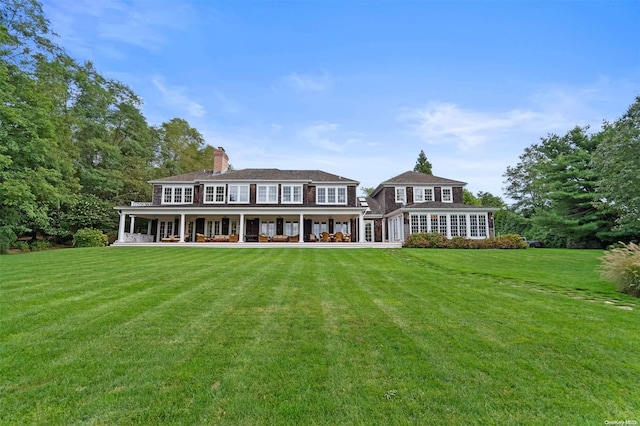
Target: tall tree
422,164
555,185
617,160
181,149
34,174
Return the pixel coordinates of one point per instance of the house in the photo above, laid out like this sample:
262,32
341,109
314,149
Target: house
272,205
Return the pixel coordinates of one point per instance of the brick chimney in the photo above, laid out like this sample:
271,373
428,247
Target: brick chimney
220,161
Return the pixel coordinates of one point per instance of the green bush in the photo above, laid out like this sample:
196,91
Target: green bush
39,245
426,240
23,246
7,237
89,237
621,265
436,240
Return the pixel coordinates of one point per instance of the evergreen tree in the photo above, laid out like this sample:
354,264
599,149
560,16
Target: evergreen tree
422,164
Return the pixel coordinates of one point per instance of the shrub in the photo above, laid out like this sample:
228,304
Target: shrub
436,240
621,265
7,237
424,240
23,246
89,237
39,245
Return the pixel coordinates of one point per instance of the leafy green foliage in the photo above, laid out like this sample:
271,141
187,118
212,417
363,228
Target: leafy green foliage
617,160
422,164
621,265
7,238
89,237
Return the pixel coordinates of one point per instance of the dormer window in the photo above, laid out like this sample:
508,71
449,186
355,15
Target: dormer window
401,194
422,194
446,195
331,195
267,193
177,195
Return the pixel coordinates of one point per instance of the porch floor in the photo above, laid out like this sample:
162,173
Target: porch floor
266,245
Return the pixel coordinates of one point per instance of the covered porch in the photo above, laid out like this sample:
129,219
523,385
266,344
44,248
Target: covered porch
158,225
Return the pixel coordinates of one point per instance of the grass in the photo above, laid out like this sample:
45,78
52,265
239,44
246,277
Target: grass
304,336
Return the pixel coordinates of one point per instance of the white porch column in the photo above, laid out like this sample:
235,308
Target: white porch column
241,229
384,229
132,225
182,228
301,229
121,228
468,226
361,236
149,226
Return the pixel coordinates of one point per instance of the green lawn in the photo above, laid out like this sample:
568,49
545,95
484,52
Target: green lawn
314,336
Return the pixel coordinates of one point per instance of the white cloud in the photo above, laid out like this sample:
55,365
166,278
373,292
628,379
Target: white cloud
86,26
175,97
309,82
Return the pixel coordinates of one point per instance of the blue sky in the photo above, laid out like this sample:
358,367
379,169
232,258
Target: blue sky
358,88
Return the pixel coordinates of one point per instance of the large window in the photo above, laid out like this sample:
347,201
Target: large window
177,195
291,194
291,228
331,195
458,225
165,229
419,223
214,194
267,194
238,193
401,194
478,224
268,228
422,194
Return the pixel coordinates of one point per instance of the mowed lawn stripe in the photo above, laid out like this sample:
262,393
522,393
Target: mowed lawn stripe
303,336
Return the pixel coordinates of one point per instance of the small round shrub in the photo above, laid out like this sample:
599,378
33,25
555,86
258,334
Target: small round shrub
89,237
23,246
39,245
621,265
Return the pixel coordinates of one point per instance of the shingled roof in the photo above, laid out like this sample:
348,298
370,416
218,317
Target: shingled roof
412,178
258,175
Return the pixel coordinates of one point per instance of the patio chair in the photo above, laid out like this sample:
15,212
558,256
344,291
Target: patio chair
338,237
325,237
263,238
294,238
312,238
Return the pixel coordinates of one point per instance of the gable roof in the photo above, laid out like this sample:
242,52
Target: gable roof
315,176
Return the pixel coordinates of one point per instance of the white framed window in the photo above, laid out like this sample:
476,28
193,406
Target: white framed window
177,194
238,193
419,223
291,194
165,229
478,225
214,194
446,195
267,194
401,194
422,194
291,228
268,228
212,228
458,225
331,195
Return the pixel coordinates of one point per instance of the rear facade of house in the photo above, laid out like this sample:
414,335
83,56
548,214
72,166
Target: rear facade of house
297,206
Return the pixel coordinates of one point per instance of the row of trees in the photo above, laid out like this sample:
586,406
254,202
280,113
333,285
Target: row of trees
580,189
74,143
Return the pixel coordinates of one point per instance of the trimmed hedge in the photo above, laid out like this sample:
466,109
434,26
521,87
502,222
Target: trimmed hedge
89,237
437,240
